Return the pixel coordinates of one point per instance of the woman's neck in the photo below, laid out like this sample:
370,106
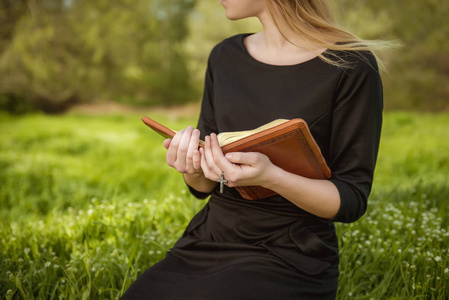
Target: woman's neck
272,47
272,38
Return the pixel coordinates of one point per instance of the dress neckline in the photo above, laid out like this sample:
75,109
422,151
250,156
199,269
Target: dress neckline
242,44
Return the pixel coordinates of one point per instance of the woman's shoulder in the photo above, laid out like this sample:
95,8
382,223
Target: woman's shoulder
233,43
234,40
355,60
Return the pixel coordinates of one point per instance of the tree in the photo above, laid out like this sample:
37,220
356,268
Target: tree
207,26
418,71
66,52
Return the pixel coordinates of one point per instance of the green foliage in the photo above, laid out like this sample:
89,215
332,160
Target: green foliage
54,53
418,146
418,71
203,37
61,162
128,50
88,204
89,254
398,249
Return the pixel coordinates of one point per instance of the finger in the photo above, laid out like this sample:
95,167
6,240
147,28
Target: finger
196,160
184,144
173,148
213,169
192,149
167,143
243,158
218,155
194,140
204,166
180,164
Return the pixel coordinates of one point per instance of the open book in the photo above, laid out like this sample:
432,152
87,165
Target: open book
287,143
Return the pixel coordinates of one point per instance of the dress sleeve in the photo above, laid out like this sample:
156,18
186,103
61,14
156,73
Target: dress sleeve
206,122
355,136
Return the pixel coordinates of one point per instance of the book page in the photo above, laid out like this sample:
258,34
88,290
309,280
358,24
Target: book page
225,138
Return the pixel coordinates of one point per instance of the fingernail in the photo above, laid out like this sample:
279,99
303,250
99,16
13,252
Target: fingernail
228,155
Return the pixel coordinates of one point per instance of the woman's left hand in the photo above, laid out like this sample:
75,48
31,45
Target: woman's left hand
317,196
239,168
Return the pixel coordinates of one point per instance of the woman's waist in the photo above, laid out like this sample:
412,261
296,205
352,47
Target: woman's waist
293,238
255,221
274,206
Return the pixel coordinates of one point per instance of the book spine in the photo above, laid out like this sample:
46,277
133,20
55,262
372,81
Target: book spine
247,193
262,192
254,192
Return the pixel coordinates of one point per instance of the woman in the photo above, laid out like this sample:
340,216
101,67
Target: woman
284,246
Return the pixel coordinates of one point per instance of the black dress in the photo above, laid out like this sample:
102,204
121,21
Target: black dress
271,249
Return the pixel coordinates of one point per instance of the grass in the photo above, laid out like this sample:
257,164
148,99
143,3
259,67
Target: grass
87,204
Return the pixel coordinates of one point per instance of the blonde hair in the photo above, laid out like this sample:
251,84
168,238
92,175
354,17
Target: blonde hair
313,22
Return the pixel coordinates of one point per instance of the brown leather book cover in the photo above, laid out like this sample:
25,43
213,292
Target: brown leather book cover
289,146
161,129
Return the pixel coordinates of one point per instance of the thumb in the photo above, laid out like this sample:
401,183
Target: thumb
167,143
243,158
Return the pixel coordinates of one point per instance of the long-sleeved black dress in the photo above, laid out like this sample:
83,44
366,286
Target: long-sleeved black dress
269,248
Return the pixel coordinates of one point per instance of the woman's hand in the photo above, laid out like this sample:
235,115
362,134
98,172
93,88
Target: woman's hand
239,168
317,196
182,151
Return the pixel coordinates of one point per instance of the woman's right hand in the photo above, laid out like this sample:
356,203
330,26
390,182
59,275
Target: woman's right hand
182,151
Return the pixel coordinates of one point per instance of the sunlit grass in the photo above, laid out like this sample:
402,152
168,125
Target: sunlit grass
59,162
87,204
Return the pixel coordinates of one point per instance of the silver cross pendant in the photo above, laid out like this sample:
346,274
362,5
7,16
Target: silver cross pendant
222,181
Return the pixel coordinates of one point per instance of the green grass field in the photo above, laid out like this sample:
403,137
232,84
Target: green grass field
87,204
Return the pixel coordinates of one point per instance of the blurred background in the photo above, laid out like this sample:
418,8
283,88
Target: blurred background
87,200
55,54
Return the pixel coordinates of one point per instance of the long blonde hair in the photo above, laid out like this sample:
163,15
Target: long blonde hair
313,22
